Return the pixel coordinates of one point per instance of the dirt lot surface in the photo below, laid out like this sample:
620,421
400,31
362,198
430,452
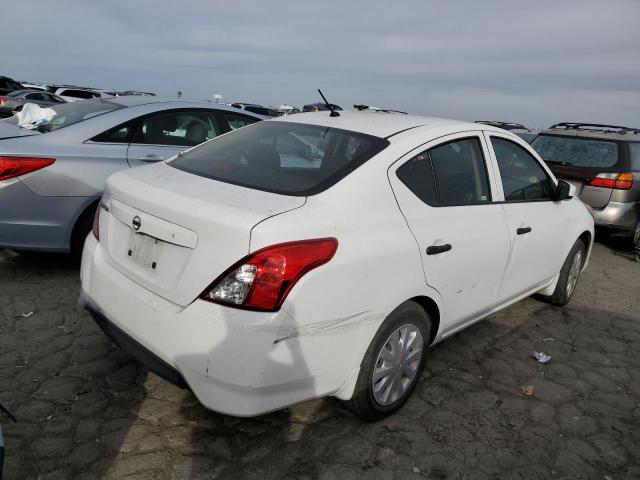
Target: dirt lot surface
85,410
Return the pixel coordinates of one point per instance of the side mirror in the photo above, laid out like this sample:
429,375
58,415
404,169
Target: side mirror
564,191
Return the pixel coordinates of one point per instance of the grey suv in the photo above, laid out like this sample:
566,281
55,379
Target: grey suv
603,162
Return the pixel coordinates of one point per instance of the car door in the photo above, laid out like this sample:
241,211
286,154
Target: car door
162,135
535,221
445,191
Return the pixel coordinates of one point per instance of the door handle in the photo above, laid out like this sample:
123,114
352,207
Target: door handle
523,230
435,249
152,157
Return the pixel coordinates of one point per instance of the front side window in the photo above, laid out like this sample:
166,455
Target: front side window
523,179
282,157
36,96
178,128
451,174
576,152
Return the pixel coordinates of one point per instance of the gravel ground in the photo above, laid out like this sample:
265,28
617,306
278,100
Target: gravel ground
484,409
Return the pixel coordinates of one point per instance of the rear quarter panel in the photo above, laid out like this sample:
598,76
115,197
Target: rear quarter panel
334,311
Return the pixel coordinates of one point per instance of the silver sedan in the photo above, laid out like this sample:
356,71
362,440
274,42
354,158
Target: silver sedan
52,176
14,101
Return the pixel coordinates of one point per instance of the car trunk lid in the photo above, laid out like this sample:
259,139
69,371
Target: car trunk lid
10,129
174,232
596,197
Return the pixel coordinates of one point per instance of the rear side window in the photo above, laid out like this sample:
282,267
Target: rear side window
451,174
119,134
577,152
177,128
78,94
523,179
282,157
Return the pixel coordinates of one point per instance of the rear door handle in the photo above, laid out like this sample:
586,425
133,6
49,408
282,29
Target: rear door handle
435,249
523,230
152,157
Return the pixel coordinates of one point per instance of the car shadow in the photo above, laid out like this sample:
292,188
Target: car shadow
620,245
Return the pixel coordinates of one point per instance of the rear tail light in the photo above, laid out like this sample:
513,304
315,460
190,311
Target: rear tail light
96,222
623,181
15,166
263,279
3,101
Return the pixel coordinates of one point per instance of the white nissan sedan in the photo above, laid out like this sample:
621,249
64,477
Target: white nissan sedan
316,255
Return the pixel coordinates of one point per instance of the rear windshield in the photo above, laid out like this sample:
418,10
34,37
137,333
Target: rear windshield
577,152
75,112
281,157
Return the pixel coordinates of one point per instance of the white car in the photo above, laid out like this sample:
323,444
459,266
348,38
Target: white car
73,94
259,277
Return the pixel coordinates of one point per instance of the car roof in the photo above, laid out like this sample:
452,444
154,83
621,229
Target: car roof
136,100
375,123
28,90
596,131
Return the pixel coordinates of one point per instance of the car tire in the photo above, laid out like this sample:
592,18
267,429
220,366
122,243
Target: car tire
369,401
80,231
569,274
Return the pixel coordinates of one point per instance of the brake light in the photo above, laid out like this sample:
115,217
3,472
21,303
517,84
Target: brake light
3,101
15,166
623,181
263,279
96,222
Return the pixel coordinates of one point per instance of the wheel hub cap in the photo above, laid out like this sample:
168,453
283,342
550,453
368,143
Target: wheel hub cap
574,272
397,364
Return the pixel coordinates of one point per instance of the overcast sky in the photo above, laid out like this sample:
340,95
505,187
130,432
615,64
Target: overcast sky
536,62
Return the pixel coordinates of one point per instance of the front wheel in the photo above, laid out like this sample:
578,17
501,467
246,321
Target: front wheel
393,364
569,274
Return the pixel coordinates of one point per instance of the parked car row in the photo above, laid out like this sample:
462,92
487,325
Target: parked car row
13,102
229,265
69,93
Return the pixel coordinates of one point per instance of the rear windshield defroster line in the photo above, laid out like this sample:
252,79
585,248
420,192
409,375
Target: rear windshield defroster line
282,157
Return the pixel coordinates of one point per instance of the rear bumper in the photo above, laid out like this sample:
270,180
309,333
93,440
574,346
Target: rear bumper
619,216
231,359
136,350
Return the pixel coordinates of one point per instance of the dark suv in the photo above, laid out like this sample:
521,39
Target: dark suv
8,85
603,162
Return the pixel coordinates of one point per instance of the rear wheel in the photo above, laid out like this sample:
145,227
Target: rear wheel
569,274
393,364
